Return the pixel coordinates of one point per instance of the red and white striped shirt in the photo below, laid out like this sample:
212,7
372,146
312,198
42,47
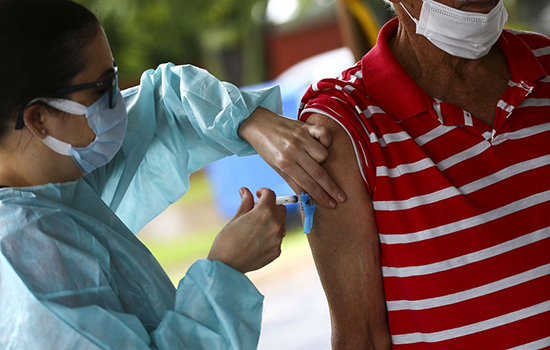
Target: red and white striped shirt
462,208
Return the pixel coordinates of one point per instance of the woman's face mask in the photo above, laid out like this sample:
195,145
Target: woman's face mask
463,34
108,124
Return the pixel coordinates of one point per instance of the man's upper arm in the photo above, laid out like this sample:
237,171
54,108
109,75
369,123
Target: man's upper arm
345,246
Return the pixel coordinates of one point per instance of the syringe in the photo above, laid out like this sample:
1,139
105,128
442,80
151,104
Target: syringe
285,200
307,206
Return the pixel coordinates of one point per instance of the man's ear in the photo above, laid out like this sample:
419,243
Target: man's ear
34,120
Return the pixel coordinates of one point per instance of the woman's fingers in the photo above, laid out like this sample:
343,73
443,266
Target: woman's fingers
320,133
310,185
306,154
280,214
315,150
253,238
322,180
295,149
314,139
320,154
247,202
266,197
310,176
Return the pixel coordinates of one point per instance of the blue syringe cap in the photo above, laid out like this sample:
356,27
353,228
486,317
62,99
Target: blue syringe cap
309,209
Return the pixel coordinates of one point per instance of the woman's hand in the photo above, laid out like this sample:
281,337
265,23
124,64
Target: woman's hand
294,149
252,239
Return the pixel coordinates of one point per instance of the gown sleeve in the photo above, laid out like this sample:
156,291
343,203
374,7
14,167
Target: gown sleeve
223,312
59,293
180,118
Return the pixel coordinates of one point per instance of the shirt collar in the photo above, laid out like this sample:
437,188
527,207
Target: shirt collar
387,82
522,61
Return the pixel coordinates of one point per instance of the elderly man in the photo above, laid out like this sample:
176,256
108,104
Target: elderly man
441,139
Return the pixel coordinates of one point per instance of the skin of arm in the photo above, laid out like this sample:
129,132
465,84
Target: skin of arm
344,243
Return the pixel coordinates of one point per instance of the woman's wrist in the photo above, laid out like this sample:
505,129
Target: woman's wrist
249,127
224,252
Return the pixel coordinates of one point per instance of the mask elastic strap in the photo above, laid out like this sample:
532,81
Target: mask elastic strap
57,146
54,144
404,8
67,106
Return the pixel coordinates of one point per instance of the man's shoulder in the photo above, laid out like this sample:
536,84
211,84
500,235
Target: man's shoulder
349,80
528,34
343,95
524,41
534,40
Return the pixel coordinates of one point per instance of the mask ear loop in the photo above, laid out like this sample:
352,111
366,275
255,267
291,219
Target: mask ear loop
66,106
57,146
54,144
408,13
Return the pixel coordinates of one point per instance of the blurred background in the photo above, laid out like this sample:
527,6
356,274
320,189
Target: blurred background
254,44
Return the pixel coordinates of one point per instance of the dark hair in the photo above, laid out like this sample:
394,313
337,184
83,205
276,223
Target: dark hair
41,50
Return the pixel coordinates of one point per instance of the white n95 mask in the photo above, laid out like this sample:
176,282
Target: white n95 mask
459,33
108,124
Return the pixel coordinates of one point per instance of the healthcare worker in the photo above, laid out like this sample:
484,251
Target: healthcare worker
83,167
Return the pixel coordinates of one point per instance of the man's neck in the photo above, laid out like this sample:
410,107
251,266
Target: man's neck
473,85
418,56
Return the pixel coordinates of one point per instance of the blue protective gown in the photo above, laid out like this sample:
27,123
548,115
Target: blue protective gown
72,273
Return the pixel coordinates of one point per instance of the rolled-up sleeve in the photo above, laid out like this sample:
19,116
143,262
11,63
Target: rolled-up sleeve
180,118
224,311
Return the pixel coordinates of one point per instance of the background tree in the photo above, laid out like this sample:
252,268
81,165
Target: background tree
145,33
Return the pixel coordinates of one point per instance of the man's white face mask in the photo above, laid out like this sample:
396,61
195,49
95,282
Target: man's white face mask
462,34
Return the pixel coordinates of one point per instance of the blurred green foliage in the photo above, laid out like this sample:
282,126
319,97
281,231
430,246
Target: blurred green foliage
224,36
145,33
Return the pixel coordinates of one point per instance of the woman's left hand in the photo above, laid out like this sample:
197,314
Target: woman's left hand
295,150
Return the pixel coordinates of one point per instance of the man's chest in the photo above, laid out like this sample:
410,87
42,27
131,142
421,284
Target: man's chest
452,174
464,229
479,96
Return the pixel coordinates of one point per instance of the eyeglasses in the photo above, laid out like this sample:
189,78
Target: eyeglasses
111,83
